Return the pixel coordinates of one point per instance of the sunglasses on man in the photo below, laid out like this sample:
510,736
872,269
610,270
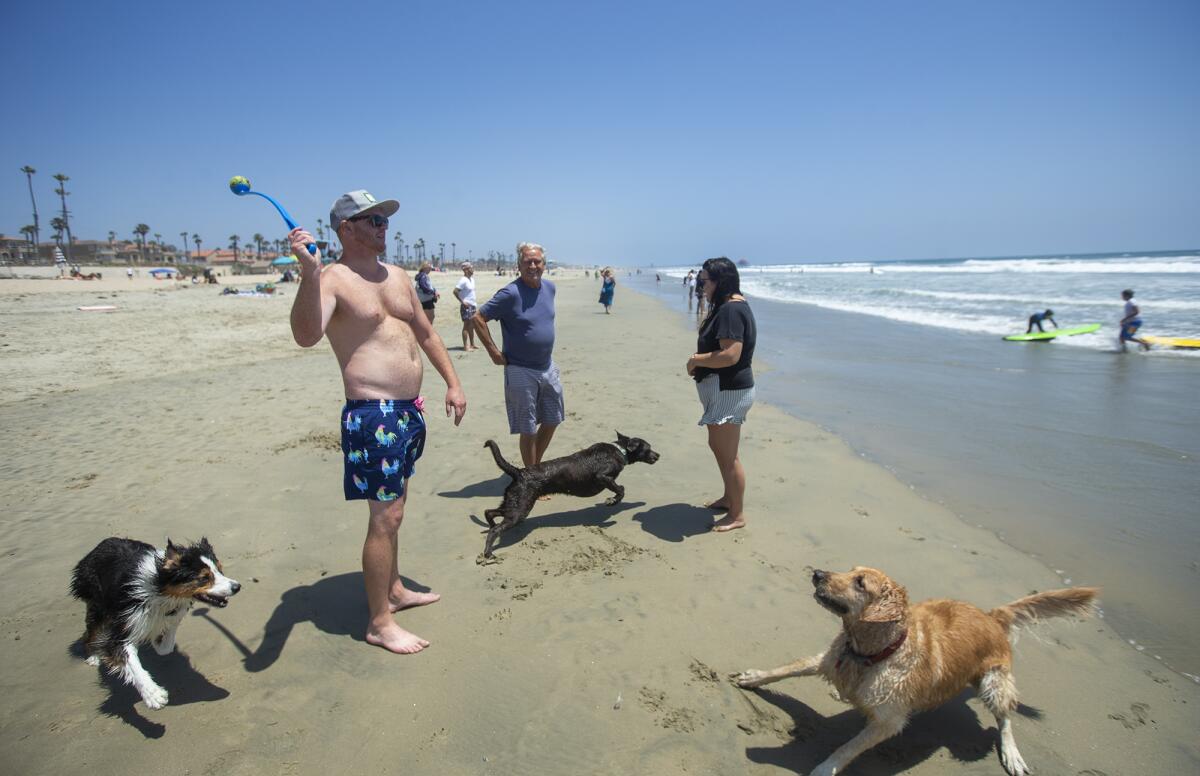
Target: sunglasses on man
374,219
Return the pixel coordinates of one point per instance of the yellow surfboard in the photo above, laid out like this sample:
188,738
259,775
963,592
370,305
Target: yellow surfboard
1173,342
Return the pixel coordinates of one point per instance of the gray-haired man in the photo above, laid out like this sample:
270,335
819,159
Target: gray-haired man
533,393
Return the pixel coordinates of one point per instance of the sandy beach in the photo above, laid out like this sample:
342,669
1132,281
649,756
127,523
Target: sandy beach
600,641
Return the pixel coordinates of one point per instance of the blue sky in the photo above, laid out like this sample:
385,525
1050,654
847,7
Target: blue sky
620,132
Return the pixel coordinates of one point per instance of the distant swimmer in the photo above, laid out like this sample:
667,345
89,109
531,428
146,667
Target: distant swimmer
1037,318
1131,323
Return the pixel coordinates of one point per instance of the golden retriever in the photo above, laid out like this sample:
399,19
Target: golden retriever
892,660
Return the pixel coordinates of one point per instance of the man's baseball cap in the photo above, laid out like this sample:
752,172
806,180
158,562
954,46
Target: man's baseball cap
354,203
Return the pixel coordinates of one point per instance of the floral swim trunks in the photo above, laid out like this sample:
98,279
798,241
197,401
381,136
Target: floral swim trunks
381,442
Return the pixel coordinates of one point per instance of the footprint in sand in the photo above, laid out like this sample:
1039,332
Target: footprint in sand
1139,715
680,720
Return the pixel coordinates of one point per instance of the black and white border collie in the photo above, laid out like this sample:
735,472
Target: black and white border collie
136,594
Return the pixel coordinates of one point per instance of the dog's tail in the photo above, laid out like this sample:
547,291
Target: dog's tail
1052,603
508,468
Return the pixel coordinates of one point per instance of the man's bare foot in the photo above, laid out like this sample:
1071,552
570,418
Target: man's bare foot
728,523
393,638
719,505
410,598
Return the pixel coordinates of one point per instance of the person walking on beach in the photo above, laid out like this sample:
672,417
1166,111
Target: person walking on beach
426,293
371,315
721,367
607,287
1131,323
689,288
1037,318
464,292
533,393
700,297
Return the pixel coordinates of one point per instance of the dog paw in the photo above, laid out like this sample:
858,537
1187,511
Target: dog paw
92,660
751,677
1012,761
155,697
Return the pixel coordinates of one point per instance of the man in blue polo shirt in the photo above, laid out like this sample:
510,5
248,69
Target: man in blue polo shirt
533,394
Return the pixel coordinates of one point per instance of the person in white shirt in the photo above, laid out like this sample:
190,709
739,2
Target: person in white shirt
464,291
1130,323
689,288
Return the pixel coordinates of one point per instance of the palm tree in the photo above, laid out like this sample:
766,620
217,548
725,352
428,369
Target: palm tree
441,254
30,233
184,235
62,192
112,238
29,171
58,225
196,239
453,253
141,230
399,242
258,244
233,243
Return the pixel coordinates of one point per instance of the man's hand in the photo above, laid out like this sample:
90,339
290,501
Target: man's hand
300,240
456,402
498,358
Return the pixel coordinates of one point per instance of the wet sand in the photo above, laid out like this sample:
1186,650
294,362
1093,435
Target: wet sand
598,643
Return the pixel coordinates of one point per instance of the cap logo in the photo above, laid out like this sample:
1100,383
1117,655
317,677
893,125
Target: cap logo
367,196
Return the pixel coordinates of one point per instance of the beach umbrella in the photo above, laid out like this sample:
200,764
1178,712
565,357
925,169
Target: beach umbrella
284,260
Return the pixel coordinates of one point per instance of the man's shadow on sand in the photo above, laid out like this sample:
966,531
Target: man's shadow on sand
954,726
336,605
174,672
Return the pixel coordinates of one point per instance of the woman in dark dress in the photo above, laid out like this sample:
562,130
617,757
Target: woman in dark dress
721,367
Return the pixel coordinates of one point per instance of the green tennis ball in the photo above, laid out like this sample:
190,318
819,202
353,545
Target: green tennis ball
239,184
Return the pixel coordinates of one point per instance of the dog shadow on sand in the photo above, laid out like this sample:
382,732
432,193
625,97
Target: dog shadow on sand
336,605
174,671
595,515
953,726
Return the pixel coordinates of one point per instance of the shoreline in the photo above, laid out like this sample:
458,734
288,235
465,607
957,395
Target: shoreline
598,643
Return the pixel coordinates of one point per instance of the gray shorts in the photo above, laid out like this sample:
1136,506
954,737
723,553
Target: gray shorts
721,407
532,397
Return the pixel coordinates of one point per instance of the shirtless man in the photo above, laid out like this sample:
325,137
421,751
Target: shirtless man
375,324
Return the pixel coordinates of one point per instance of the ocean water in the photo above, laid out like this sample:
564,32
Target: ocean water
997,296
1082,457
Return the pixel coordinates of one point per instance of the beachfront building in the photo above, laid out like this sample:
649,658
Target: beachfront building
17,250
88,252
